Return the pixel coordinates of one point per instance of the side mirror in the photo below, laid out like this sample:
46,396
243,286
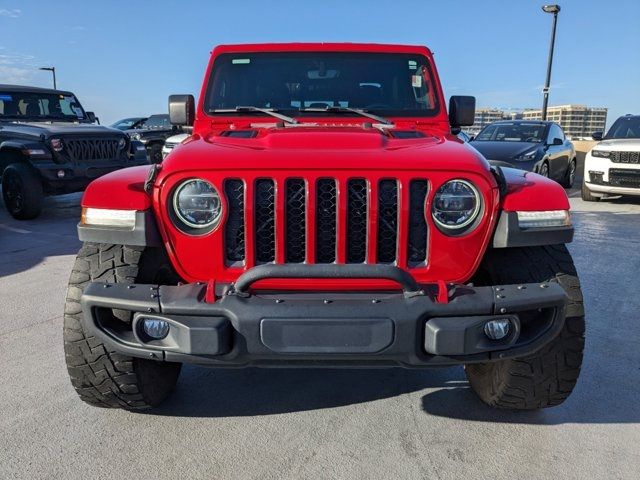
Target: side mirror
92,117
182,110
462,112
558,141
472,138
597,136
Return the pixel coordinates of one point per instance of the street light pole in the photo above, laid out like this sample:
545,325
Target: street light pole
555,9
52,70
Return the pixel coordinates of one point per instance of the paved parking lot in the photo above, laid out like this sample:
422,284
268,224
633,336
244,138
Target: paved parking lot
290,424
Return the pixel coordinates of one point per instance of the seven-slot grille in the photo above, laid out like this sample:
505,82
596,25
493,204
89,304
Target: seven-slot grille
91,148
369,225
625,157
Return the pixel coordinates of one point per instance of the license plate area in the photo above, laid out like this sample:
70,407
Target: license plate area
317,336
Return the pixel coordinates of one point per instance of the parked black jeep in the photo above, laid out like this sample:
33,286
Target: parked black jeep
152,133
50,146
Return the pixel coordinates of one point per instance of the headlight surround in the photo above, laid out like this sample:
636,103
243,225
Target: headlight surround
197,206
122,142
56,144
600,153
456,206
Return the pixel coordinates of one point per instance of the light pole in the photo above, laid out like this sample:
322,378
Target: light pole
555,9
52,70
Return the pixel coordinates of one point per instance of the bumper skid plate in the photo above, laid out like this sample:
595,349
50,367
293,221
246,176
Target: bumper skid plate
409,328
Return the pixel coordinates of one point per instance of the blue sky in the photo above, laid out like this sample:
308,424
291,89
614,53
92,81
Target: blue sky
123,58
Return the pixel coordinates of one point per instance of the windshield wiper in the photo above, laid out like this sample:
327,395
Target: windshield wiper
358,111
244,109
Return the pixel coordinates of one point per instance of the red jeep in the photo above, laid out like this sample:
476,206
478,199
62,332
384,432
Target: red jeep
324,214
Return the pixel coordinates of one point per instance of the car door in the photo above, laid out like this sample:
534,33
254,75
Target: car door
557,152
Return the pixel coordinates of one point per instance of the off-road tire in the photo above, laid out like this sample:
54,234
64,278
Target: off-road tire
586,194
547,377
22,177
155,153
102,377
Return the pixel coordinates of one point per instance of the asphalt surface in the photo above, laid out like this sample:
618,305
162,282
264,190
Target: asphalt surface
291,424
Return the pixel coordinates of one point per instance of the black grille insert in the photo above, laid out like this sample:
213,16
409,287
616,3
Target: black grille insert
624,178
91,148
326,220
387,220
234,227
295,220
417,240
265,221
357,220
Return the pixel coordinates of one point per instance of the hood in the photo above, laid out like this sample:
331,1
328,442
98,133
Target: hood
620,144
503,150
324,148
49,129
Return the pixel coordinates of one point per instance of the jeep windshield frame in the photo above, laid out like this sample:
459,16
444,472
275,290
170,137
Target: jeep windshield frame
324,83
41,106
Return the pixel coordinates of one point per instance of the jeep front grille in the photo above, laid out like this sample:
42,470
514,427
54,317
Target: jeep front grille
324,220
91,148
625,157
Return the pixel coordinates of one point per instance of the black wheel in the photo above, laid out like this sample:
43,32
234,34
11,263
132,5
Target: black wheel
586,194
101,377
544,170
570,174
155,153
547,377
22,191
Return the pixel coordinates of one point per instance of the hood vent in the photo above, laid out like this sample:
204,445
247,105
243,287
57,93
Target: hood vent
239,133
405,134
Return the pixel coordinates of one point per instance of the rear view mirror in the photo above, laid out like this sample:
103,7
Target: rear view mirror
462,112
597,136
182,110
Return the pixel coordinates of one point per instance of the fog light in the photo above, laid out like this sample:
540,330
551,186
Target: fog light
497,329
156,329
60,173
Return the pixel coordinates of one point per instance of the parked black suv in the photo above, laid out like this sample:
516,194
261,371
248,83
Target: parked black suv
50,146
152,133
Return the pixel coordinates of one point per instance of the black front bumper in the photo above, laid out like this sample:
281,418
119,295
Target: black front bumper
352,329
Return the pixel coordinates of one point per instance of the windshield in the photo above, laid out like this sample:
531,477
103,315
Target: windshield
387,84
625,127
511,132
128,123
35,105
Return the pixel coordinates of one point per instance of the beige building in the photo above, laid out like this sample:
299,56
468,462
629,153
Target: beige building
577,121
485,116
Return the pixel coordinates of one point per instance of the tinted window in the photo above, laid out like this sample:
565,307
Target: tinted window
625,127
512,132
158,121
391,84
555,132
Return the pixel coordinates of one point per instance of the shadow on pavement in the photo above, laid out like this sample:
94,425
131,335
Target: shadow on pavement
24,244
249,392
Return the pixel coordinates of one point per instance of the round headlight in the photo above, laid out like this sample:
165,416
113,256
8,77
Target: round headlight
57,144
122,143
456,205
197,205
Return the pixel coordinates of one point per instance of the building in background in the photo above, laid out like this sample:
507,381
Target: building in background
577,121
485,116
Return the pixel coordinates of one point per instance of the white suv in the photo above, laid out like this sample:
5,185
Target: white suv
612,167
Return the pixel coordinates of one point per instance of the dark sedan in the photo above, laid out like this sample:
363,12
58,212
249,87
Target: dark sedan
535,146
